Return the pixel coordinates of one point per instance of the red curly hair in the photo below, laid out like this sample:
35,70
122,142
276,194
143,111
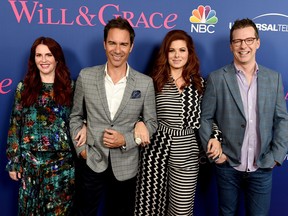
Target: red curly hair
161,69
62,82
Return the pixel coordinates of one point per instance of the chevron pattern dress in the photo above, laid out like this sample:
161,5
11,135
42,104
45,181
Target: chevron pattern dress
169,166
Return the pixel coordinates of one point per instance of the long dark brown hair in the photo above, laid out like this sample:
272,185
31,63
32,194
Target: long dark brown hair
62,82
161,69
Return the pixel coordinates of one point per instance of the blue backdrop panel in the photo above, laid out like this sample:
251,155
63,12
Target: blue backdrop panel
78,26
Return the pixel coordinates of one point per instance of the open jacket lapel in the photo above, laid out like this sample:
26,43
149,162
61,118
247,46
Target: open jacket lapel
100,83
130,85
232,84
262,90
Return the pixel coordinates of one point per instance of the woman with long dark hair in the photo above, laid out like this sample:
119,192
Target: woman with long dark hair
169,165
39,148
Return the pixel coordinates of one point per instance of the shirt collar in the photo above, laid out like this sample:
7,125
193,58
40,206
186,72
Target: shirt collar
127,71
240,71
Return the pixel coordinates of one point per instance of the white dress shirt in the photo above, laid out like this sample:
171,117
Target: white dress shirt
115,91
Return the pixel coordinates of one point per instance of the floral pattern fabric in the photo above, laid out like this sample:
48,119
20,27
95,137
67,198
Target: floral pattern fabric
39,147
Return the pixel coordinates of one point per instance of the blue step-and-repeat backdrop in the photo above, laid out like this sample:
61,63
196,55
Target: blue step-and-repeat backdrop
78,26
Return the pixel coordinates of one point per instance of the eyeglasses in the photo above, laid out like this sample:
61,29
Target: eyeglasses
248,41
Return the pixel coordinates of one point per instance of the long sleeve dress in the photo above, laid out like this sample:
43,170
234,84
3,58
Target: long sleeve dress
39,146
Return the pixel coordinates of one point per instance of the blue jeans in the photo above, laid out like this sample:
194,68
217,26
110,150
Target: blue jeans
255,186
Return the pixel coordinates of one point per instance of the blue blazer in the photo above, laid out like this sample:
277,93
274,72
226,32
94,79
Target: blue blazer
222,103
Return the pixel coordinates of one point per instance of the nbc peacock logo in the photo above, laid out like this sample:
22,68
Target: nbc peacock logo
203,19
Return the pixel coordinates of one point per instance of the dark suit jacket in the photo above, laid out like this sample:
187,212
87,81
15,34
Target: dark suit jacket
222,102
90,96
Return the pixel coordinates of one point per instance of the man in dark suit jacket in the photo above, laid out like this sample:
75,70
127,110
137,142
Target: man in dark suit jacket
246,100
111,97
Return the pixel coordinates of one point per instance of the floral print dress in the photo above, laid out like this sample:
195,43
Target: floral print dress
39,146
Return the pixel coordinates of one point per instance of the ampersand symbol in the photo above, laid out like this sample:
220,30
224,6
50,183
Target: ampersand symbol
83,13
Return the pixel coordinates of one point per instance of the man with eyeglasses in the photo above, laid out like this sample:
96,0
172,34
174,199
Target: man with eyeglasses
246,100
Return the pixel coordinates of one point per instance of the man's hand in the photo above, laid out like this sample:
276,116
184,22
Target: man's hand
113,139
221,159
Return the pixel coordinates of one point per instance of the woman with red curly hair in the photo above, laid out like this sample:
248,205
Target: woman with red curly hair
169,165
39,148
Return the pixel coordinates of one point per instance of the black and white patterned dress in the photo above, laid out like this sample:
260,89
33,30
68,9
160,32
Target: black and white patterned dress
169,166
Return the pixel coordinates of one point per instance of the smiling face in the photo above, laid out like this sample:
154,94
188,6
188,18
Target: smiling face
117,47
244,54
178,55
45,62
